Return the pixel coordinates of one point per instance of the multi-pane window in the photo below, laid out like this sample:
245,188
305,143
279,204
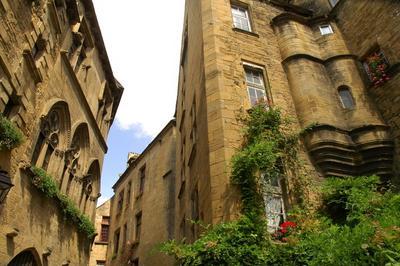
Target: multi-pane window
325,29
376,65
255,85
346,98
105,228
142,178
138,225
274,207
241,19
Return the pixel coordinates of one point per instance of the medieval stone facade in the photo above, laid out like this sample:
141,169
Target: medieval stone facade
142,208
330,65
57,86
98,253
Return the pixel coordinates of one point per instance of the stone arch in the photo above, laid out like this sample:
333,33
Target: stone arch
53,137
27,257
90,188
75,159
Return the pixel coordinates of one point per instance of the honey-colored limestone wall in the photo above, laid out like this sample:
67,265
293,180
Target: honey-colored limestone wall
99,248
155,203
38,82
366,25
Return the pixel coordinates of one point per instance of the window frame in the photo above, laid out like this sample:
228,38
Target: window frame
351,97
261,87
138,226
247,17
325,26
275,191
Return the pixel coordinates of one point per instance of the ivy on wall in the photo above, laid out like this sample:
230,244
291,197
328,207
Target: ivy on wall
10,136
357,223
46,184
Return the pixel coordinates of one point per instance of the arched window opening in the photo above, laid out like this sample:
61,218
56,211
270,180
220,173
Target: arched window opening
52,135
346,98
90,188
26,258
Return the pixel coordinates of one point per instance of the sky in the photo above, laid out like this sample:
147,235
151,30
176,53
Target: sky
143,42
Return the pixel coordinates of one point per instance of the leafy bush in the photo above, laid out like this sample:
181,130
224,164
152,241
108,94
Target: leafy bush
10,135
45,183
358,222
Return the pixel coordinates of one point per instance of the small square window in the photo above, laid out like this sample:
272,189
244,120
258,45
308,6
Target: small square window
241,19
325,29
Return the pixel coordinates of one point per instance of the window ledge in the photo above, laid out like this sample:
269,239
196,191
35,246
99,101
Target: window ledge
100,243
246,32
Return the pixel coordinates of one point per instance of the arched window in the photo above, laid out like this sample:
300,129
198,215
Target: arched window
346,98
90,188
75,156
53,136
28,257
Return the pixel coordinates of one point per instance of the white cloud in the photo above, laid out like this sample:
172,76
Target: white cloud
101,200
143,43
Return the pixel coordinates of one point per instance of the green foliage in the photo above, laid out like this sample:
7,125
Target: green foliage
45,183
266,151
10,136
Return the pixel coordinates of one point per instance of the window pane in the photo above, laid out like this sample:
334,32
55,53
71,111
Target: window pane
274,212
240,18
346,98
325,29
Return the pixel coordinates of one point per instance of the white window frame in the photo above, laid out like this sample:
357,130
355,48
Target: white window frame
257,87
241,21
326,29
274,218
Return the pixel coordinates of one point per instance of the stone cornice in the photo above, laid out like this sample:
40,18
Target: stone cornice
82,98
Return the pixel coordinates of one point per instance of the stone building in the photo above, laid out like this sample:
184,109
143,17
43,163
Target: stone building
102,223
142,208
315,60
57,86
331,65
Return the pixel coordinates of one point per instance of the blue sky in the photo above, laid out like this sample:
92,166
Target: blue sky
143,42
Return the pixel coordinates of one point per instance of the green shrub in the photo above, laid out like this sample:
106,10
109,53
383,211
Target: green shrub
10,136
357,224
45,183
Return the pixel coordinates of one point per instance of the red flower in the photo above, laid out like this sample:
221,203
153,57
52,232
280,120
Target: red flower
286,225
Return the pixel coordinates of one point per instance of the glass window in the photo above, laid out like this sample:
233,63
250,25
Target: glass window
138,225
142,179
346,98
376,65
255,86
273,200
333,2
241,18
325,29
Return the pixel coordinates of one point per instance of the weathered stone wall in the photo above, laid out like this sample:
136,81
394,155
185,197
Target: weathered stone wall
99,248
155,204
368,24
39,71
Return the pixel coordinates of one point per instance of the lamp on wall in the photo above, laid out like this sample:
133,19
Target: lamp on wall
5,185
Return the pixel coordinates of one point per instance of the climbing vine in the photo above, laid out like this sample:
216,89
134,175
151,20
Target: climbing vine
46,184
10,135
356,222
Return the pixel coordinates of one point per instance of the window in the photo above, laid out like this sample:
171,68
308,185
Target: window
325,29
376,65
138,225
255,85
333,2
120,201
274,207
105,228
346,98
241,18
116,241
100,263
125,235
128,194
142,177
